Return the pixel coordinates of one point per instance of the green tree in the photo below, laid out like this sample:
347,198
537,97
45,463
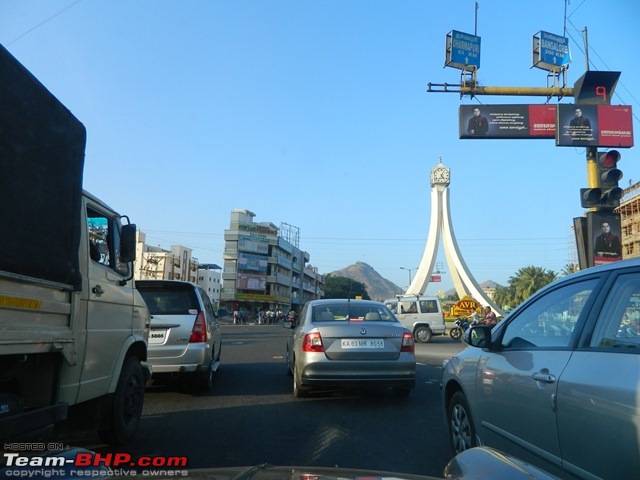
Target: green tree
343,287
570,268
505,297
525,282
454,297
528,280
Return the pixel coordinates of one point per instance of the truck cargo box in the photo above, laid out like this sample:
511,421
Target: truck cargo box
41,159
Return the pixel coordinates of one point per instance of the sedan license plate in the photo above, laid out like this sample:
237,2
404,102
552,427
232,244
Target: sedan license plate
349,343
157,336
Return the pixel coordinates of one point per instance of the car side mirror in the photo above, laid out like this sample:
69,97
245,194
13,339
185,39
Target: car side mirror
478,336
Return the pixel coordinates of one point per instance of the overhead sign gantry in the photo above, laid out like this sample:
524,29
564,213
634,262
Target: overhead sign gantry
590,122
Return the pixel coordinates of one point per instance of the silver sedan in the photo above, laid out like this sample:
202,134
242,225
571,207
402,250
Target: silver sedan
344,343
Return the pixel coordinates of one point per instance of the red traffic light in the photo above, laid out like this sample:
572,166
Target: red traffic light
609,159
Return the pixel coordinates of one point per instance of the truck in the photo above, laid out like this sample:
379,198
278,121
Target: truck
73,329
421,314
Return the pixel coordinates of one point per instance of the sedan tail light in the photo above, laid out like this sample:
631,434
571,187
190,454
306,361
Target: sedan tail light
312,343
407,343
199,331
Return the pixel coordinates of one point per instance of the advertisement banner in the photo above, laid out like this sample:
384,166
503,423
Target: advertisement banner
253,244
603,236
507,121
247,281
255,263
585,125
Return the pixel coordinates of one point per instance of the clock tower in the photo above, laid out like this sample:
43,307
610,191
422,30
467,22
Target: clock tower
441,224
440,175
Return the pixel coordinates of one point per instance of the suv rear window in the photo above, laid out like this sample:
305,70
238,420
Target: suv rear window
167,300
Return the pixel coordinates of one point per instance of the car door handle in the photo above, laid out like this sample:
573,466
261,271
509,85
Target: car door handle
545,377
97,290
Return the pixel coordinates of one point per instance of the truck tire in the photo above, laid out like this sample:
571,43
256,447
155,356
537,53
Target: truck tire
422,334
125,409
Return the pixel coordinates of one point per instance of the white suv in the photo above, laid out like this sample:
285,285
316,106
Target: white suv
184,336
420,314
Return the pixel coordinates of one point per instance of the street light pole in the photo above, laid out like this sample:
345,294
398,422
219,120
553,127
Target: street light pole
409,270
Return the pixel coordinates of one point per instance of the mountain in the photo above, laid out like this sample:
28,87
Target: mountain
379,288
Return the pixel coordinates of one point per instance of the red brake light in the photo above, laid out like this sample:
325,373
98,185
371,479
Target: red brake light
312,343
199,331
407,343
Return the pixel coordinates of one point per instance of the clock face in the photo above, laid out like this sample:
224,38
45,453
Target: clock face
441,175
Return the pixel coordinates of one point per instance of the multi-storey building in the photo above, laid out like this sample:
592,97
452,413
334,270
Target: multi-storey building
155,263
264,267
629,211
210,278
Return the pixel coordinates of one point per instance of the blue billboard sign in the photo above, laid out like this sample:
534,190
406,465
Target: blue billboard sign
550,52
462,51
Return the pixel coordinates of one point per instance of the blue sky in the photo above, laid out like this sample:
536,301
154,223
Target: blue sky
316,114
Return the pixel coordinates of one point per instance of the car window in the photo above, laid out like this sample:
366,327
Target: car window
618,322
408,307
170,302
428,306
550,320
104,241
369,313
207,304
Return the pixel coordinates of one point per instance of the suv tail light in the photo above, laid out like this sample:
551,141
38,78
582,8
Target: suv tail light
312,343
199,331
407,343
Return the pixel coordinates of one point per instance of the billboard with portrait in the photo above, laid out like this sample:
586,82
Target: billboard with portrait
586,125
603,234
507,121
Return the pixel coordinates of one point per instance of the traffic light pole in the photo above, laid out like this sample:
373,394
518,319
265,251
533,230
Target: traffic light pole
592,167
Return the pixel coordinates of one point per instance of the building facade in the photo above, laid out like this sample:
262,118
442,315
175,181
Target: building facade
210,278
155,263
629,211
264,267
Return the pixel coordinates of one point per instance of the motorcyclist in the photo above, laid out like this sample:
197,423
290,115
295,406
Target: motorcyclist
490,318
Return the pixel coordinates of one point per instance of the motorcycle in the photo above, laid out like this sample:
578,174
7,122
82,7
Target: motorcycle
461,326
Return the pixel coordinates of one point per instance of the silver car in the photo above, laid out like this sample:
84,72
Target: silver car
184,336
557,383
342,343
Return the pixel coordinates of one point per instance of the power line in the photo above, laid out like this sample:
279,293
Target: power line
43,22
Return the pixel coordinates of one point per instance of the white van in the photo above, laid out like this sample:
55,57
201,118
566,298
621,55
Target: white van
420,314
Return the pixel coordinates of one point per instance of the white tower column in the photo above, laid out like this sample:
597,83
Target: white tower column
441,224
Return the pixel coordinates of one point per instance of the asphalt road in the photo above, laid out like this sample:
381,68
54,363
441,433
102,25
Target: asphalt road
251,417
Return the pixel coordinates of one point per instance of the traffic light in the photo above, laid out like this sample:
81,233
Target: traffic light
590,197
607,195
608,176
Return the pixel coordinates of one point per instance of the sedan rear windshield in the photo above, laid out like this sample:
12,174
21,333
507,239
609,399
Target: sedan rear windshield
170,302
349,312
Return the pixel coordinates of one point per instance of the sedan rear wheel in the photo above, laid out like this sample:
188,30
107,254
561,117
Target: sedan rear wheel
461,429
298,390
289,372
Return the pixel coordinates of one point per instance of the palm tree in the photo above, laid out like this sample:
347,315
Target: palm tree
570,268
528,280
504,297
